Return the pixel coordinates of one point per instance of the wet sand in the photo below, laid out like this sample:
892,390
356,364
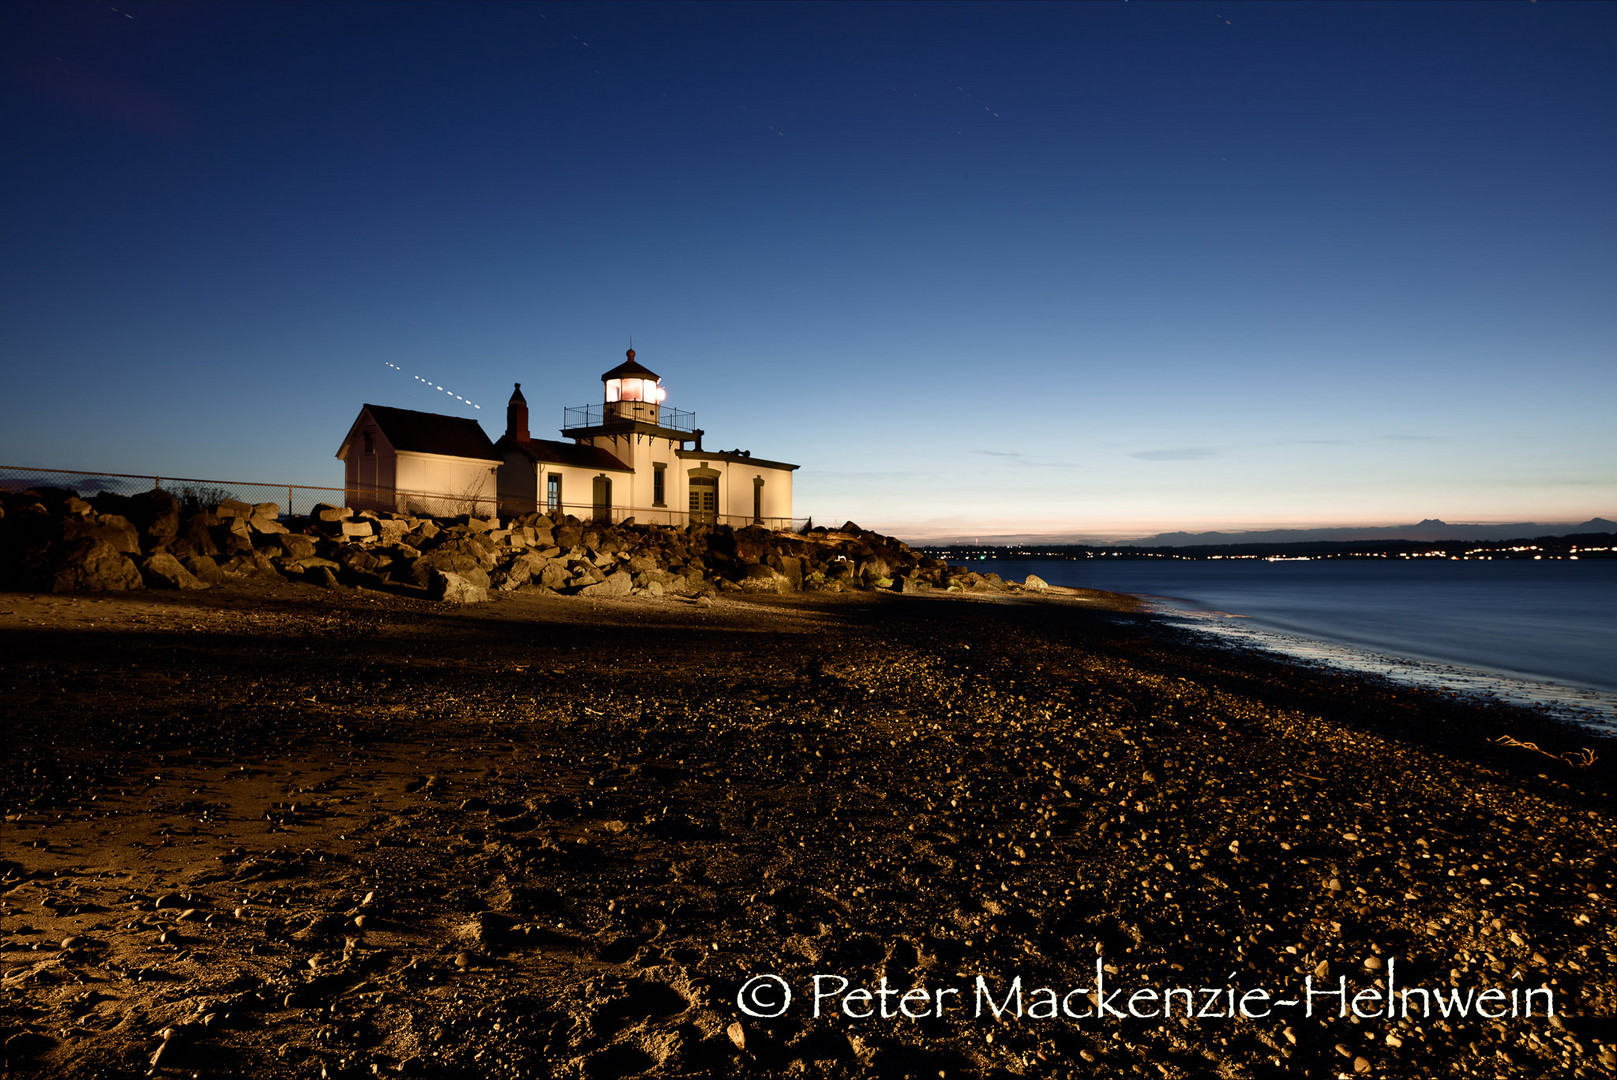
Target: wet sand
280,831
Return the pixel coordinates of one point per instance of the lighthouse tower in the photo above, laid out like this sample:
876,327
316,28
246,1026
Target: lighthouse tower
633,392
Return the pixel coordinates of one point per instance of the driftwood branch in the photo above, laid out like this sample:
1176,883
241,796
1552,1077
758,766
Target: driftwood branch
1578,759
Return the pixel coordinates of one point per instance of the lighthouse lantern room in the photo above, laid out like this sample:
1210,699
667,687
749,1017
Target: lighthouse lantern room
633,392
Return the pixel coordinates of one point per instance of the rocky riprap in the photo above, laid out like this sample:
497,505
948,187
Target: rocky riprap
52,540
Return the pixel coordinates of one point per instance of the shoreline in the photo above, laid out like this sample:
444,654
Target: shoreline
301,829
1591,707
1369,624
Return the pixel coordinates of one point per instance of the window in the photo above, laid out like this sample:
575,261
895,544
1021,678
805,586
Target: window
659,488
553,491
757,500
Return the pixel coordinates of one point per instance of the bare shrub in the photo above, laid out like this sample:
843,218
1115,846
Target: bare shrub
194,497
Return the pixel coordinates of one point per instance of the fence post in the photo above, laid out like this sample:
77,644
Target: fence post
289,500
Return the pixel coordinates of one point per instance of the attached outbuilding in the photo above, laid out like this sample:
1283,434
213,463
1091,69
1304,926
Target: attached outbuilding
419,463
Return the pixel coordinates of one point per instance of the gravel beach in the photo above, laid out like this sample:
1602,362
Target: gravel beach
280,831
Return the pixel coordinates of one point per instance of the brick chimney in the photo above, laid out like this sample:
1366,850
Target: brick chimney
516,416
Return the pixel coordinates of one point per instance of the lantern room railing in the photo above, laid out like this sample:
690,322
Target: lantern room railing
589,416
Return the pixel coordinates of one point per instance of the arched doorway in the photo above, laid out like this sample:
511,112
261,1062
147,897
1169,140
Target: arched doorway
704,488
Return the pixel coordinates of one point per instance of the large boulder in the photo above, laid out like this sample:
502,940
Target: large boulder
617,583
232,543
393,530
358,557
204,569
297,546
156,514
115,529
791,566
423,569
874,569
519,571
163,571
196,534
92,565
475,548
568,533
250,563
719,545
454,589
761,577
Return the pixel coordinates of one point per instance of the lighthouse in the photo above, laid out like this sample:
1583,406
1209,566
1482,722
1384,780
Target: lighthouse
633,392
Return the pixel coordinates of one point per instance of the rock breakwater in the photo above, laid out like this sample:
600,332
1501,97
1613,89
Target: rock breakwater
54,541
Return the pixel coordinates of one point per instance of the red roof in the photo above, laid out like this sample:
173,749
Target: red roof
564,453
432,433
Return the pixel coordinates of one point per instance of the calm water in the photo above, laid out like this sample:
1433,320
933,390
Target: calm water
1540,632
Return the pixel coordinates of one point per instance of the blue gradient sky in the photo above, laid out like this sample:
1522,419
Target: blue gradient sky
1086,270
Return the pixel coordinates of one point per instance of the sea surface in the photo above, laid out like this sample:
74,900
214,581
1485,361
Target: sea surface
1541,633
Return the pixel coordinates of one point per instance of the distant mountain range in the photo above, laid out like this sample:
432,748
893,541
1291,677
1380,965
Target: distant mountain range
1429,530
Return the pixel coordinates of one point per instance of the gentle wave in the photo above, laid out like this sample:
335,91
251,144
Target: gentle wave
1542,634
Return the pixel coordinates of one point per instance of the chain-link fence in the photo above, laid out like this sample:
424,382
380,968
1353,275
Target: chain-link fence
299,499
191,492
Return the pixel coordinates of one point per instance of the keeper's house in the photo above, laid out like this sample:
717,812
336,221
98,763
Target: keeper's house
630,457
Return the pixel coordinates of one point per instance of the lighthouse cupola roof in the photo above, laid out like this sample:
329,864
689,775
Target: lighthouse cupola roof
631,369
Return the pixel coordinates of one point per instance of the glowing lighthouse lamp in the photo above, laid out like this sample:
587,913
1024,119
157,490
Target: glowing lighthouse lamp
633,392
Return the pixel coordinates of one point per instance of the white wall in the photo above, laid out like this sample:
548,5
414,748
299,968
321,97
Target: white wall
633,495
437,484
736,489
369,478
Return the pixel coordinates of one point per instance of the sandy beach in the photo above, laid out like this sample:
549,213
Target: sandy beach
280,831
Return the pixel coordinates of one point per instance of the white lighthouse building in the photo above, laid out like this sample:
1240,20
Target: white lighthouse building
632,456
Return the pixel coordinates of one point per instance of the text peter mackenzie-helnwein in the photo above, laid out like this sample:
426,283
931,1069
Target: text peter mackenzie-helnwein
771,995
